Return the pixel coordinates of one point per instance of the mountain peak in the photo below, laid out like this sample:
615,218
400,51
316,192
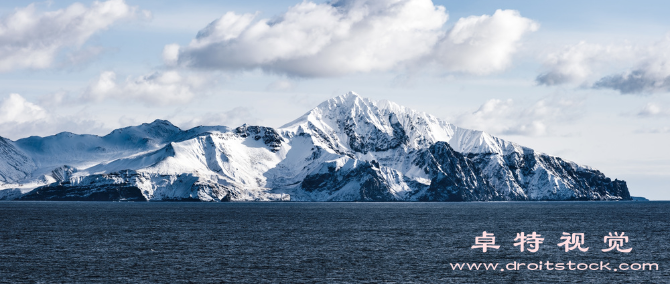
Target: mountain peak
350,122
348,100
160,123
158,129
353,104
349,96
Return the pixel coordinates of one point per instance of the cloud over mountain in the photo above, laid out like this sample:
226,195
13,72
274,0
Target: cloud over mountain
356,36
21,118
16,109
509,117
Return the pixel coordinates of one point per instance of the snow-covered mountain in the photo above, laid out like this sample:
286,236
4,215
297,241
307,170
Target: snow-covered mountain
346,149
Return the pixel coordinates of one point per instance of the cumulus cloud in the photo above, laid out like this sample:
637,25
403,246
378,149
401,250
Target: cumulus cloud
171,54
32,39
643,68
16,109
575,64
649,74
634,82
20,118
508,117
483,44
353,36
650,77
157,88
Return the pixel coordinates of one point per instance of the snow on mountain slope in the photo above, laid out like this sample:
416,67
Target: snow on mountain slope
352,124
346,149
390,134
82,151
15,165
232,163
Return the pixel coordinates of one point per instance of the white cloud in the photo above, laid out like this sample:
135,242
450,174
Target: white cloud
171,54
510,118
20,118
574,64
627,68
483,44
51,126
16,109
649,74
345,37
652,76
158,88
32,39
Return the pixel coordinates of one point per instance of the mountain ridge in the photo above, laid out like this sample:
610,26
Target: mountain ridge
348,148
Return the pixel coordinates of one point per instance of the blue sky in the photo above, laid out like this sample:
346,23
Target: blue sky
584,80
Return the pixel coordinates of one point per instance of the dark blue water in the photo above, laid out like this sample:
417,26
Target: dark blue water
321,242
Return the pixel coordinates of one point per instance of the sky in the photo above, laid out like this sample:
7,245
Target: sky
587,81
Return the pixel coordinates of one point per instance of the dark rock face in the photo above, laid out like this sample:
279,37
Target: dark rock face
63,190
585,183
377,140
399,135
455,177
270,137
374,139
122,186
504,176
589,184
62,174
57,192
226,193
373,186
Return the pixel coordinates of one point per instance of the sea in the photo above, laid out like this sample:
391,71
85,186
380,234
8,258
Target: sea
292,242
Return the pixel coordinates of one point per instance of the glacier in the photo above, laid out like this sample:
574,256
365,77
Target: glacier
348,148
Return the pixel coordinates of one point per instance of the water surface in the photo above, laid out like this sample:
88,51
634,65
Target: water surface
320,242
